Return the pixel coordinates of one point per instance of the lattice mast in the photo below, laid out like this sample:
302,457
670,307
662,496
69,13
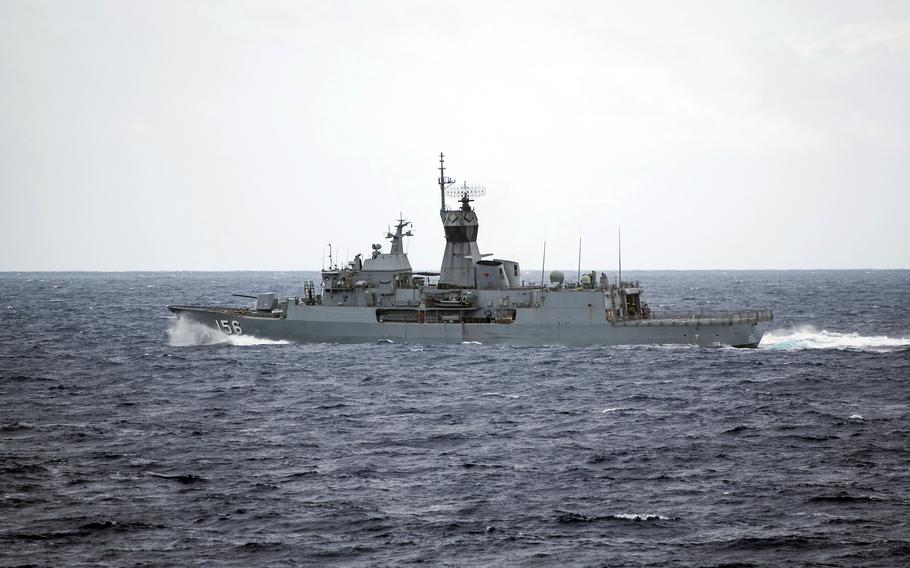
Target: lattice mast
444,182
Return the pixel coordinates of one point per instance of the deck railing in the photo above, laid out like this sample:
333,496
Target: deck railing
744,316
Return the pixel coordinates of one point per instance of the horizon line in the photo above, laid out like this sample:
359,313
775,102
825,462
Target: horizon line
122,271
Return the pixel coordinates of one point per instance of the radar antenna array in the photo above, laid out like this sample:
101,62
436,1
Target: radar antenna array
466,190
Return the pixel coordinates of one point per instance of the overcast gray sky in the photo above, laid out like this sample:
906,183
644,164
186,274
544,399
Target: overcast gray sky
248,135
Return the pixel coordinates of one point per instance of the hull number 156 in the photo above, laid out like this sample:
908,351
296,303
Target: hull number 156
229,327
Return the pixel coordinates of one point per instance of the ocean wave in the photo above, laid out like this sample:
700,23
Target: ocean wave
807,337
186,333
569,517
642,517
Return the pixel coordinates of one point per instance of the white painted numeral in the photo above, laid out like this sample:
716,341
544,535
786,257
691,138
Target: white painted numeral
231,327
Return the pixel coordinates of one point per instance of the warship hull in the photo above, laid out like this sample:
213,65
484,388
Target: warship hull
741,329
473,298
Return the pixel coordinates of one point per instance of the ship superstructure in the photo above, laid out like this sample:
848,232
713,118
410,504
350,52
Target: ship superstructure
471,298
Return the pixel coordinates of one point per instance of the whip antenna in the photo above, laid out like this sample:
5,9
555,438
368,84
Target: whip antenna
444,182
619,231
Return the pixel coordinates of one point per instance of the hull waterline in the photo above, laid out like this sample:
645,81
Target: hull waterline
706,332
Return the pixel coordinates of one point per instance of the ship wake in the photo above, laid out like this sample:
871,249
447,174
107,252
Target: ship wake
807,337
186,333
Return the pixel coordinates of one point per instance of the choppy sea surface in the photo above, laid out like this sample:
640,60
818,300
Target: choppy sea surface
126,439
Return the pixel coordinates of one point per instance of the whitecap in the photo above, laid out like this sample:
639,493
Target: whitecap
855,417
641,517
807,337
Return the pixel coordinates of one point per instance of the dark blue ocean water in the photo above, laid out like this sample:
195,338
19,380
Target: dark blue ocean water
124,444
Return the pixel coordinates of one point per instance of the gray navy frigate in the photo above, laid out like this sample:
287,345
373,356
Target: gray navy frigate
473,298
